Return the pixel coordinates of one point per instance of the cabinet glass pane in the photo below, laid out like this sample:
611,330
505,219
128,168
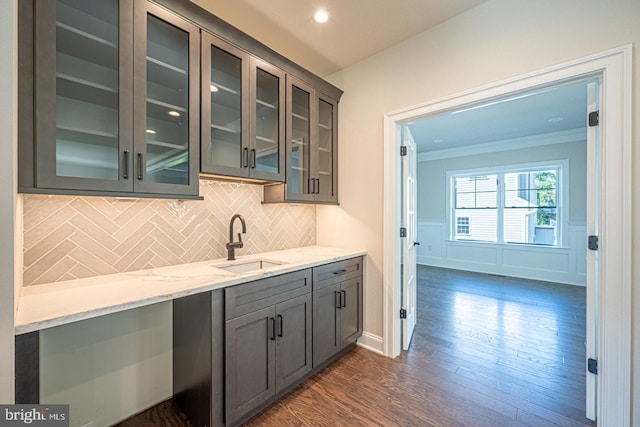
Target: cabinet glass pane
325,147
167,127
267,129
300,134
226,108
87,143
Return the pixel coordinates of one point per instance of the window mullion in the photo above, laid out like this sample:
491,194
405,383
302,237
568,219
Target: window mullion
500,206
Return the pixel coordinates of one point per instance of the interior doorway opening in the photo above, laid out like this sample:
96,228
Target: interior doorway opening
513,207
614,217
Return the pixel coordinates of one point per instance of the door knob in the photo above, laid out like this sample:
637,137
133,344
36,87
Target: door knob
416,243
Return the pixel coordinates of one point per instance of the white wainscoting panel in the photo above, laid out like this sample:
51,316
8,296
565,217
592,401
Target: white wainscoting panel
560,265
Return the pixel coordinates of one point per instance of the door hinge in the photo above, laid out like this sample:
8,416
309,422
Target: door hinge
592,366
403,231
403,313
593,243
403,150
594,118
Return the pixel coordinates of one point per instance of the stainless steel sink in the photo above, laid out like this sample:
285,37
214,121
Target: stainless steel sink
245,266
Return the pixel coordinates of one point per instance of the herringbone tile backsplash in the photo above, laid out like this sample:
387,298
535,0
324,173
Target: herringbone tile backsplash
69,237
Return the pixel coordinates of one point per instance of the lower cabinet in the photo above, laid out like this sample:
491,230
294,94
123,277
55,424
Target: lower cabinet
266,351
238,349
337,308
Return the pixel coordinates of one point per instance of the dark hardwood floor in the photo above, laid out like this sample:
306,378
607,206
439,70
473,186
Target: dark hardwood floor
487,351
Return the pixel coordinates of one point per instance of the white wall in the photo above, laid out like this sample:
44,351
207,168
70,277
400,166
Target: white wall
497,40
9,205
565,264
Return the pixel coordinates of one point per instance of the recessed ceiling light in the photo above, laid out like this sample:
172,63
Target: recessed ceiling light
174,113
214,88
555,119
321,16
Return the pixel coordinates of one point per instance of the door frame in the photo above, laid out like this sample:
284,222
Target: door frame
614,273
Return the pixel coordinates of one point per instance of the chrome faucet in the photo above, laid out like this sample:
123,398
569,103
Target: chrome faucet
231,246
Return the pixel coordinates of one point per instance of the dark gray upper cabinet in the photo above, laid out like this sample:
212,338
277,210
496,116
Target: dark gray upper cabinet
311,147
242,113
112,97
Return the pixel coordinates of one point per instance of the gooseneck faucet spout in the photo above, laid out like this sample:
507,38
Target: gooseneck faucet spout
231,246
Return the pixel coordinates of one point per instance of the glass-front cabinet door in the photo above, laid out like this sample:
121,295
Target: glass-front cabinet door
166,115
83,92
116,98
299,177
267,118
312,135
327,136
242,113
225,108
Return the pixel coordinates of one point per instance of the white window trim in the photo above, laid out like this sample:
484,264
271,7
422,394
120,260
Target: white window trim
562,166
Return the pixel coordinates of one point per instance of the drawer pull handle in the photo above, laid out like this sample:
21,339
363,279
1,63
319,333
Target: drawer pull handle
335,273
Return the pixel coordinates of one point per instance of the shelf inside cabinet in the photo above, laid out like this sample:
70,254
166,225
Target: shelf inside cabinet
80,44
225,129
166,75
267,140
222,89
167,144
299,117
266,104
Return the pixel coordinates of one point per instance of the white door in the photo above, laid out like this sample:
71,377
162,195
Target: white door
408,244
593,191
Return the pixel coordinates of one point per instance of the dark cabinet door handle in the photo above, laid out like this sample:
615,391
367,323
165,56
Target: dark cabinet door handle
245,157
140,166
280,325
338,299
125,159
253,158
343,298
318,186
273,328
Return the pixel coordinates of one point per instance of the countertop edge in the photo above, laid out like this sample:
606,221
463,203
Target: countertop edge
85,290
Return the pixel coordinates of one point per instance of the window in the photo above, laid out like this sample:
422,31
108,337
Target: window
462,227
507,206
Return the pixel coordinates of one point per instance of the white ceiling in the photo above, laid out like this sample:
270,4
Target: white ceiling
360,28
356,28
525,115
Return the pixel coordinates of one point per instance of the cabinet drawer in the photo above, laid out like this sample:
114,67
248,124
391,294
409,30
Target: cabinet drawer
336,272
252,296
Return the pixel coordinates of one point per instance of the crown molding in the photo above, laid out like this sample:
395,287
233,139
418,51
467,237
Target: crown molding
571,135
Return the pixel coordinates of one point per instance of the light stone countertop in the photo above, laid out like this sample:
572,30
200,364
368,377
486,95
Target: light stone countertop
54,304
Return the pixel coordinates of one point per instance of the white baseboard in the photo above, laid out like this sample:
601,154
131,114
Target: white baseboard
371,342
